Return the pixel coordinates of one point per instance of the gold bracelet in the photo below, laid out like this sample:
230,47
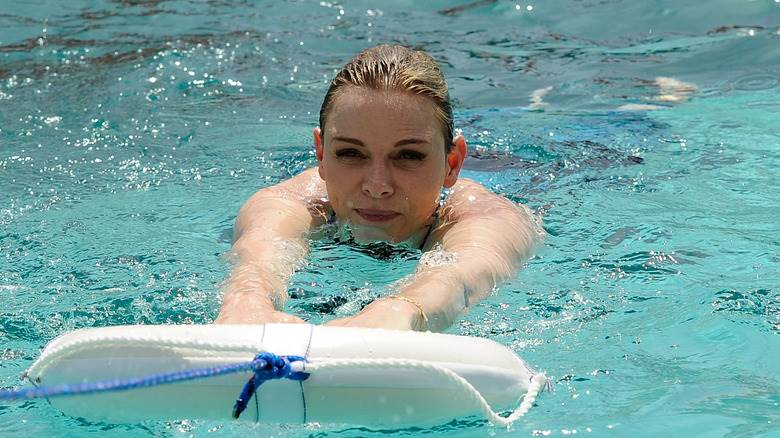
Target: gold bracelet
423,316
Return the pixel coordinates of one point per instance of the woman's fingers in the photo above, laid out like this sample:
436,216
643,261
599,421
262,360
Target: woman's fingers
287,318
259,318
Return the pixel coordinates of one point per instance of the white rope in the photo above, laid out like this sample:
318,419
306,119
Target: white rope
538,381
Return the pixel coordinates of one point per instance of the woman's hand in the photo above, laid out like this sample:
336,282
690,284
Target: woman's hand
258,318
385,313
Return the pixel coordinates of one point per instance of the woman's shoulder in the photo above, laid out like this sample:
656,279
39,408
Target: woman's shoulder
296,196
470,197
304,185
480,215
466,185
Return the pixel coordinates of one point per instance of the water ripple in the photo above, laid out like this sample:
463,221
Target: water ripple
756,82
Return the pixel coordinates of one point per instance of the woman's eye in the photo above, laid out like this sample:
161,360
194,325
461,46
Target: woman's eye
349,153
411,155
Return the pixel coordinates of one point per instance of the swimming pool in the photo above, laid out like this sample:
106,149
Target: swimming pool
132,131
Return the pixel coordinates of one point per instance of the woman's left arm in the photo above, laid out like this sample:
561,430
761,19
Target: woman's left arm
483,241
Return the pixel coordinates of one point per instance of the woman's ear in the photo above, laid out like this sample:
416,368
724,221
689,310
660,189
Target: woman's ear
318,143
455,159
319,151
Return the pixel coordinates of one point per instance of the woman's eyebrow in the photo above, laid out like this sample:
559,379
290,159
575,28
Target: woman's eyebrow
404,142
411,141
348,140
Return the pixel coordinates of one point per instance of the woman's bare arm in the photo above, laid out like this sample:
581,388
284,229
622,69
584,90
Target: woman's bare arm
485,241
269,242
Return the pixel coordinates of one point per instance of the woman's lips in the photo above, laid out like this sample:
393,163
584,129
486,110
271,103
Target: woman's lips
376,215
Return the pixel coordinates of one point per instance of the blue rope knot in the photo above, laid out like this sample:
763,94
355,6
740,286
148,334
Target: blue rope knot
267,366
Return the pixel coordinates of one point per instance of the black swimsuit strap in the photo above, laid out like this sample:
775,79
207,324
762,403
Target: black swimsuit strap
430,227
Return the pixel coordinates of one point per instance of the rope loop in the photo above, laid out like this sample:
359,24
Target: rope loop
267,366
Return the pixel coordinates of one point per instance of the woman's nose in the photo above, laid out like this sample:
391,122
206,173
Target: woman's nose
378,182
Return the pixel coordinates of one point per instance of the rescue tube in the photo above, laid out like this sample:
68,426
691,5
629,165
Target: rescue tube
370,377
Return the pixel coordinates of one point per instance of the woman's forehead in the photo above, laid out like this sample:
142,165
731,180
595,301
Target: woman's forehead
374,112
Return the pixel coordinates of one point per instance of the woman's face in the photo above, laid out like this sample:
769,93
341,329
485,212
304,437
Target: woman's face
383,161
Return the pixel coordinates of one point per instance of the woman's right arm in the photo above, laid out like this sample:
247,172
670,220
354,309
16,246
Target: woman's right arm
269,243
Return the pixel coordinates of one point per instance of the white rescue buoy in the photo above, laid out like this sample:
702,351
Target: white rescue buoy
370,377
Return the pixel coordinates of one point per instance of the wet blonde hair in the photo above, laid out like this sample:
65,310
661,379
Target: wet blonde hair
394,67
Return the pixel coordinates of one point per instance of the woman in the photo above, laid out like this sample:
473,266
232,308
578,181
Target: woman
385,149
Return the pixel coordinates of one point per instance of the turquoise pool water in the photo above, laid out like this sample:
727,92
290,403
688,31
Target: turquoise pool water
132,131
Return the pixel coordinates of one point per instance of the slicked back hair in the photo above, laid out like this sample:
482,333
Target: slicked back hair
395,67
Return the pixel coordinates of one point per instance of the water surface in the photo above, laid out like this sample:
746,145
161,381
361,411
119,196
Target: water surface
132,131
